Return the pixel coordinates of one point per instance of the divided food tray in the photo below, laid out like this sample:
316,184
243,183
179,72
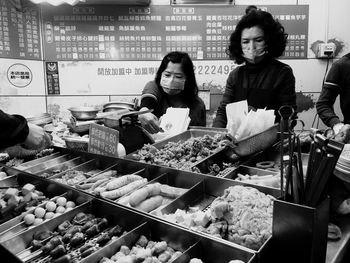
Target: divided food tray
178,139
136,225
14,224
200,198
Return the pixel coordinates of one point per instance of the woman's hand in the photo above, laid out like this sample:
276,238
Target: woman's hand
37,138
149,121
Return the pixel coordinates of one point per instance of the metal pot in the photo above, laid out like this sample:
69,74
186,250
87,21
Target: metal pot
84,113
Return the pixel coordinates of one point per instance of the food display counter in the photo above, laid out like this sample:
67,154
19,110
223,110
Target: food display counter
97,231
221,210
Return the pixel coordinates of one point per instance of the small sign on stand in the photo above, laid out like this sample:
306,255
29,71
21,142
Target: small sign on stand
103,140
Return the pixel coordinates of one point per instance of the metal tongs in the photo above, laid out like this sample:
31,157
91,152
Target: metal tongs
286,113
323,157
293,188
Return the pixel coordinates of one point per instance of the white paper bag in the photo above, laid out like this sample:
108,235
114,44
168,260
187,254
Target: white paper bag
236,112
175,120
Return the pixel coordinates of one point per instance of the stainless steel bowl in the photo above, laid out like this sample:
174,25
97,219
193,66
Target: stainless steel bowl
40,119
84,113
119,105
115,108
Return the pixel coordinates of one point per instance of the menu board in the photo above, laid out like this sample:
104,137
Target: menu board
19,30
103,32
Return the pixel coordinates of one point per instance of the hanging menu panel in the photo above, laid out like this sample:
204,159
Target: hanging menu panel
148,33
19,31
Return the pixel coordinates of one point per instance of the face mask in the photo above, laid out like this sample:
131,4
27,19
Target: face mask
172,86
254,56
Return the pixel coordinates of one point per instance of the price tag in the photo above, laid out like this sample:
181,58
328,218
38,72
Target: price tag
103,140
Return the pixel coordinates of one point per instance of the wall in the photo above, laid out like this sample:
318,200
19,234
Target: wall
79,81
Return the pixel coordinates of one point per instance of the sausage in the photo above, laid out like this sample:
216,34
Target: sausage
57,240
138,196
170,191
63,259
88,224
88,252
41,235
103,224
92,231
70,233
77,239
102,240
142,194
58,251
64,226
47,248
85,247
116,231
36,244
151,203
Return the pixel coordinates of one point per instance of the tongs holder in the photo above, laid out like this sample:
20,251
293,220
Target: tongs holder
323,160
286,113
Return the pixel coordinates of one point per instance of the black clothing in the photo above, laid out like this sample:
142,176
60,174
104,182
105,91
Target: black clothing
269,84
153,98
13,129
337,83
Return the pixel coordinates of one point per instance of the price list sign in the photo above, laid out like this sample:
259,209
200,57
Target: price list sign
19,31
148,33
103,140
52,78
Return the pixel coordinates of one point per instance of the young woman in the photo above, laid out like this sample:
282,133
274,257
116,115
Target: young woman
174,86
262,80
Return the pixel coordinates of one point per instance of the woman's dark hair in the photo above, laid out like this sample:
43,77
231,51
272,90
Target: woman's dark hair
250,8
274,35
191,89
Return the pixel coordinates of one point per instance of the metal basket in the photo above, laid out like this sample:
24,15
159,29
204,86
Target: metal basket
79,144
257,142
80,127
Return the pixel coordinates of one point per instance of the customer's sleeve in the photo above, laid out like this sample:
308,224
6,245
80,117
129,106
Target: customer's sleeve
329,93
13,129
287,94
198,113
150,96
220,120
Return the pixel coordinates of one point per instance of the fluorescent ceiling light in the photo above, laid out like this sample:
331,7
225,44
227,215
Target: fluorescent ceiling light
57,2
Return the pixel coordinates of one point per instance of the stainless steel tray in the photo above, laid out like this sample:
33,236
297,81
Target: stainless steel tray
59,167
192,133
86,185
252,171
180,181
20,244
16,225
45,164
218,164
273,156
136,224
89,169
34,162
212,252
180,138
203,194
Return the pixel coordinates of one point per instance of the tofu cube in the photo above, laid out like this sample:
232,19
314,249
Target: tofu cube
201,219
13,200
11,192
27,188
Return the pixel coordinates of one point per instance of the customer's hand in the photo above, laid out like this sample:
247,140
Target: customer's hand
149,122
37,138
